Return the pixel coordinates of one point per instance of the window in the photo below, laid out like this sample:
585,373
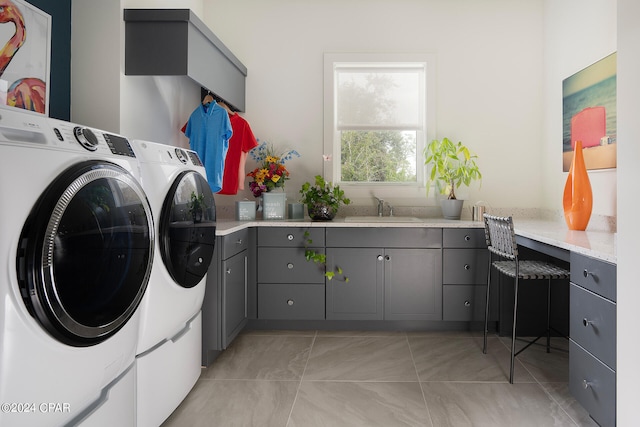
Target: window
378,115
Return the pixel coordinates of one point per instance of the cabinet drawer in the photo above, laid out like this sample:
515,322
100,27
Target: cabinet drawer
463,238
465,266
463,302
592,324
234,243
384,237
290,301
596,275
593,385
289,237
287,265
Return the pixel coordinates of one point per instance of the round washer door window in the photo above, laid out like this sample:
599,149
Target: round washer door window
187,230
85,253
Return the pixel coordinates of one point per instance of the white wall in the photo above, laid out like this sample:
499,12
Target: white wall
140,107
95,63
628,291
489,77
576,34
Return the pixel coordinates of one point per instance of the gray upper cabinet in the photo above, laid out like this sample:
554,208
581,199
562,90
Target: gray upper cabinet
175,42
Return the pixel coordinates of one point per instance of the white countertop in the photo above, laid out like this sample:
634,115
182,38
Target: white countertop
597,244
227,226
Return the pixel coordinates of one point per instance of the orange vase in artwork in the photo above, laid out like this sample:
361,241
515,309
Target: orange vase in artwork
578,198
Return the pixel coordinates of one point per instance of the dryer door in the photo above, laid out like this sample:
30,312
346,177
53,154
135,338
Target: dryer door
85,253
187,229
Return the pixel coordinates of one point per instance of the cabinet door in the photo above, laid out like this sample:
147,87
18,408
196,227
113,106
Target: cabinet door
234,296
361,297
413,284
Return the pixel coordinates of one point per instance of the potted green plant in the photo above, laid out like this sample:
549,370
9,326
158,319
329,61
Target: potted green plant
322,199
452,165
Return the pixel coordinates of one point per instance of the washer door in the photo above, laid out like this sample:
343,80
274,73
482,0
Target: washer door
187,229
85,253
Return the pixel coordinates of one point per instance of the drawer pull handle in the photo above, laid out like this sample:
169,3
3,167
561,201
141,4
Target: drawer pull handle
290,302
239,242
467,267
467,304
587,322
380,258
586,384
228,271
388,258
467,238
289,236
290,265
586,273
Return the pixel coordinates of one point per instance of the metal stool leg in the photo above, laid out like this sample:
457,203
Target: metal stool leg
549,316
486,310
513,338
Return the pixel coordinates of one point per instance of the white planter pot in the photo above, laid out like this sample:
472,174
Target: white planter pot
451,208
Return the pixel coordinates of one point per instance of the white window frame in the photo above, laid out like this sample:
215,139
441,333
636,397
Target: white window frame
332,149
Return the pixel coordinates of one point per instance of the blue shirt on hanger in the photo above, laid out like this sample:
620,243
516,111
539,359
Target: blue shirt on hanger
209,130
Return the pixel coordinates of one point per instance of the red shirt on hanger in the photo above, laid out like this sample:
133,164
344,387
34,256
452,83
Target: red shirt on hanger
242,141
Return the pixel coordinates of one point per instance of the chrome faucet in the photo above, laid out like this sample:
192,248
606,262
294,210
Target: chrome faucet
380,206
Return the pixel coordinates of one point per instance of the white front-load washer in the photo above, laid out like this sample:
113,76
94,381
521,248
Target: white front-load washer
168,360
75,258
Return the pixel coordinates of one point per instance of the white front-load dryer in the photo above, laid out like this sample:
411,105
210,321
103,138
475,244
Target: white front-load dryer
75,258
169,349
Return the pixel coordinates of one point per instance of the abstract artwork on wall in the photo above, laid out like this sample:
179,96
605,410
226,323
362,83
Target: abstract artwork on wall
25,37
589,114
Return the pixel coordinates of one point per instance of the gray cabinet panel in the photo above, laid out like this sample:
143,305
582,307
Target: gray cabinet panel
413,284
234,297
596,275
592,324
463,238
291,301
463,302
592,384
234,243
361,298
290,237
287,265
384,237
465,266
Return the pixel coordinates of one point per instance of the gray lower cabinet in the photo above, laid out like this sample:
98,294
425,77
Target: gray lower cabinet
224,309
465,263
394,274
592,328
234,296
361,298
289,286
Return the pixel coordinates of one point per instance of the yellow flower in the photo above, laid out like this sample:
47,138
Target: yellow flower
272,159
275,178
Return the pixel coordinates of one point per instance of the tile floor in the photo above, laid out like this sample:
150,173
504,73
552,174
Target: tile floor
338,378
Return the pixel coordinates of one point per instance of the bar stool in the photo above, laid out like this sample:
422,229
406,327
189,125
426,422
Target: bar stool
501,241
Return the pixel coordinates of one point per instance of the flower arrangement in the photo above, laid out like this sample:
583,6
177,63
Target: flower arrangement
271,172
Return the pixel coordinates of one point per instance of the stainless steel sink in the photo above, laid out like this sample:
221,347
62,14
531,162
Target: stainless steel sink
382,219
